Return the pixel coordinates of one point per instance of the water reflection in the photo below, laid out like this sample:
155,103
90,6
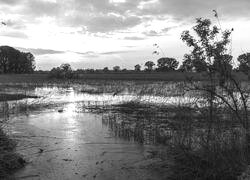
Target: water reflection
65,95
145,125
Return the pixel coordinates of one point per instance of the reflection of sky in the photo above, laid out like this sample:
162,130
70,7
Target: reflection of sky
61,125
58,95
67,95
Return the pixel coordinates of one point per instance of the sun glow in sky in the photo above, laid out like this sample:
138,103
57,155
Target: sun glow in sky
100,33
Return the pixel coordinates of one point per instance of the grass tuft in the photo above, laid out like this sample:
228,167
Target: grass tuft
9,159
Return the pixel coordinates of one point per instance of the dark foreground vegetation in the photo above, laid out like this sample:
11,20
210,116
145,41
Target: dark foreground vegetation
190,153
9,159
12,97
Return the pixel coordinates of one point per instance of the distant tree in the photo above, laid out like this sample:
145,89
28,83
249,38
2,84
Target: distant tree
90,70
14,61
64,71
80,71
167,64
124,70
116,68
106,69
55,73
66,67
30,62
244,60
137,67
149,65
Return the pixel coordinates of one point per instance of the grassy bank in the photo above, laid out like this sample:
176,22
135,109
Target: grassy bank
141,76
13,97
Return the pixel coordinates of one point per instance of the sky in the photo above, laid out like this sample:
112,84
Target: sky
105,33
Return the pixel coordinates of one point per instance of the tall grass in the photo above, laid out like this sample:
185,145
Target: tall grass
196,148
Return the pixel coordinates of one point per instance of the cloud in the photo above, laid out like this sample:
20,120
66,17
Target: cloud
167,29
15,24
109,16
96,54
151,33
183,9
134,38
14,34
109,23
88,54
9,2
39,51
41,8
160,32
103,23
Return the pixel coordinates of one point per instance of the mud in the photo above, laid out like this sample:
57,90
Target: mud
76,145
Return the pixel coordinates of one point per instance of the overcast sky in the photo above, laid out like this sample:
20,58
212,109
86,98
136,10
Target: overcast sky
99,33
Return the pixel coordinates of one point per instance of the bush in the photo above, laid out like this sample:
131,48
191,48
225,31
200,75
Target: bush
62,72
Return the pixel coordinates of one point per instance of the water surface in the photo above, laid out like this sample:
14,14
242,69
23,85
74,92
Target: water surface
64,139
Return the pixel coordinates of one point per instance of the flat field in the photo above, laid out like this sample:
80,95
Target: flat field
141,76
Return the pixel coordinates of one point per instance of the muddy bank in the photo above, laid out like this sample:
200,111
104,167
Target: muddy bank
10,161
13,97
73,145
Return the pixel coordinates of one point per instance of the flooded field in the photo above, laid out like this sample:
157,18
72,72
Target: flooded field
66,133
97,132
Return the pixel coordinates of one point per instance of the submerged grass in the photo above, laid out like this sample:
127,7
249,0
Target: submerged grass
195,151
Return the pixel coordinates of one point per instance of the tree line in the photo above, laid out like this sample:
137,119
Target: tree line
15,61
192,62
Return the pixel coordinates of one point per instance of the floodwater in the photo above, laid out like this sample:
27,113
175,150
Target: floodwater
67,133
65,140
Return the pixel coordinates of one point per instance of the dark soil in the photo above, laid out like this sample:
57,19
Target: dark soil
13,97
